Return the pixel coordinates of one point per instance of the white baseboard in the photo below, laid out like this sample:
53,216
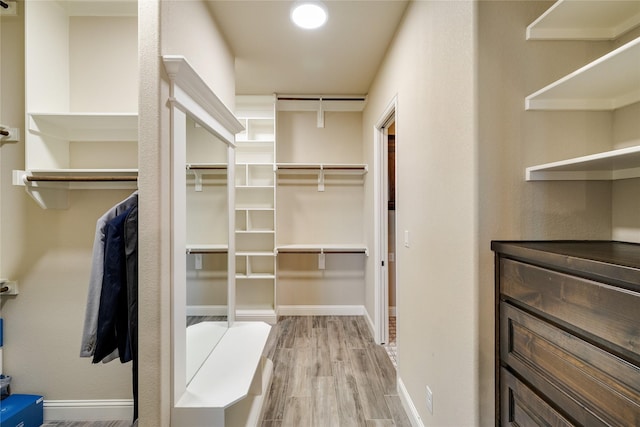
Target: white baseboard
267,316
407,404
206,310
88,410
321,310
372,326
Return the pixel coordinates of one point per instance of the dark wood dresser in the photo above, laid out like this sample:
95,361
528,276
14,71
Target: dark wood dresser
567,333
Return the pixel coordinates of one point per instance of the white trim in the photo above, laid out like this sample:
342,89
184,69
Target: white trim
381,249
88,410
206,310
408,405
256,315
372,325
321,310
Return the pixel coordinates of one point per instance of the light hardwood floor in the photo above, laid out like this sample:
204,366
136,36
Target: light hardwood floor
328,372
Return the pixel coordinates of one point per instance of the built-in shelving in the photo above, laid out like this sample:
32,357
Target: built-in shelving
294,168
237,366
255,209
85,126
322,173
585,20
330,248
81,108
608,83
611,165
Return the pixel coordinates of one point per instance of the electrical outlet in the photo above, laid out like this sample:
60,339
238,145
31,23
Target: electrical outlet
429,400
11,10
8,287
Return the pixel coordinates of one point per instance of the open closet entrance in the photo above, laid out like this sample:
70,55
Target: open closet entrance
385,218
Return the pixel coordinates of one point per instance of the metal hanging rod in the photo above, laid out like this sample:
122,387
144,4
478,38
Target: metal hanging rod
55,178
321,98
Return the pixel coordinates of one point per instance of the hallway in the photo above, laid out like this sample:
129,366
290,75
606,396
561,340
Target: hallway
329,372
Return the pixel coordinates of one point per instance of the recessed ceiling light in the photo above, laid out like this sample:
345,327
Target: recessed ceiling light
309,15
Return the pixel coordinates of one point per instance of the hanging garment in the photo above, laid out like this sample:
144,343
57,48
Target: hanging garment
131,254
113,313
95,281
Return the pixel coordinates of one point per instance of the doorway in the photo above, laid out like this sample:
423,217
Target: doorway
386,205
391,345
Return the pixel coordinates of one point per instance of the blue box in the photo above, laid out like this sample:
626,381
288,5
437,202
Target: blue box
22,410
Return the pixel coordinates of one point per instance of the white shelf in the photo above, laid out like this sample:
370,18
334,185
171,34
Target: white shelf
255,276
85,126
297,168
323,248
209,167
611,165
608,83
265,231
255,253
256,208
50,187
207,249
585,20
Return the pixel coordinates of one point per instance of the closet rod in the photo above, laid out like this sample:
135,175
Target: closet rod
293,98
326,252
205,167
78,178
318,167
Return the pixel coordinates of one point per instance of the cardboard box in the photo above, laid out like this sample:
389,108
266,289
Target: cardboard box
22,410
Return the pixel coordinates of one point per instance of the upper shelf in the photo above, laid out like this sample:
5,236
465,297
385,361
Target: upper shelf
336,248
585,20
608,83
325,167
86,126
611,165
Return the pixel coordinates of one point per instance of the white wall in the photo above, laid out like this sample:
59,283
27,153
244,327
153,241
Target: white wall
431,66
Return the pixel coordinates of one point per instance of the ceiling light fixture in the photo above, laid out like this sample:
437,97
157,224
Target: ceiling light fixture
309,14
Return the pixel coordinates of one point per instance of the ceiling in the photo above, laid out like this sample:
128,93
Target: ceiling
275,56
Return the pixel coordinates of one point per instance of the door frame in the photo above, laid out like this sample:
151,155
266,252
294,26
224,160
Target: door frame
381,218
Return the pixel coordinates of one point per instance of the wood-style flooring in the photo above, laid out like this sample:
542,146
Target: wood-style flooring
328,372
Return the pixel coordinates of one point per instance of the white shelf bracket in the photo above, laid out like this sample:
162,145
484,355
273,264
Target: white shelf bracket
198,183
321,179
320,114
321,260
198,261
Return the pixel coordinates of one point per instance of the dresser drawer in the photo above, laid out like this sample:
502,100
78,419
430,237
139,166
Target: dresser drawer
587,383
523,408
607,315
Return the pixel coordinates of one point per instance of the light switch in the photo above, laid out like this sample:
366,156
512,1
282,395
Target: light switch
406,238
